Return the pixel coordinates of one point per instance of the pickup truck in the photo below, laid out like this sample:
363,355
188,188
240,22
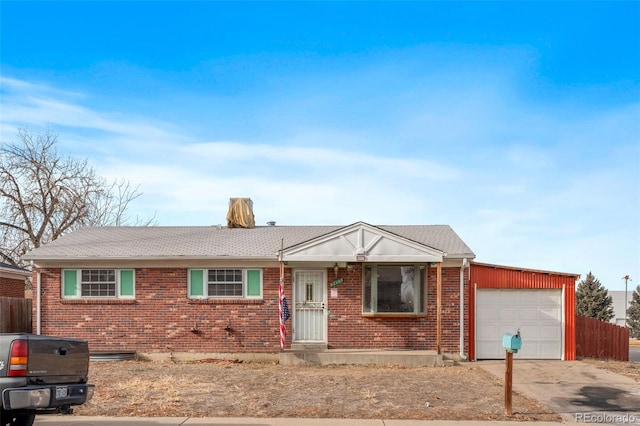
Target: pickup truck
41,375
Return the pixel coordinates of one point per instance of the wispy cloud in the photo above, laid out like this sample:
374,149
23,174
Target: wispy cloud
539,187
27,105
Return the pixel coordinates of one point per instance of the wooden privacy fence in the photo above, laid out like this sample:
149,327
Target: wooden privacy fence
15,315
599,339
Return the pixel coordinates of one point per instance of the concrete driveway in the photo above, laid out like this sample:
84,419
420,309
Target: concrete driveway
578,391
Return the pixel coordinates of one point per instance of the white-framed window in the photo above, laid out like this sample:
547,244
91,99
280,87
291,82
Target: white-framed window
98,283
394,289
225,283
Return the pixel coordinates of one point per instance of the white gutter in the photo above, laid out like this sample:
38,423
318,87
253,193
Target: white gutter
38,299
465,263
564,325
15,274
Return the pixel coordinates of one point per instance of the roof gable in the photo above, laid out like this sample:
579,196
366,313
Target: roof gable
362,242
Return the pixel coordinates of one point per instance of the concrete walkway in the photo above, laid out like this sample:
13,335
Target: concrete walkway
577,391
180,421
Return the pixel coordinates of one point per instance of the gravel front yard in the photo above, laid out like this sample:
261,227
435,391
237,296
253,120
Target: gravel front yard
213,388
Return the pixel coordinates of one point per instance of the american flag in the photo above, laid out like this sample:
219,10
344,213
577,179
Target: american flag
283,309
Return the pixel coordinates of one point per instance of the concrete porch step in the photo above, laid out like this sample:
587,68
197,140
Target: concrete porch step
308,346
450,360
407,358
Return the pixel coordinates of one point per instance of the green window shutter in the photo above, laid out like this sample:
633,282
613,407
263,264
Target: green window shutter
126,283
253,283
196,283
69,283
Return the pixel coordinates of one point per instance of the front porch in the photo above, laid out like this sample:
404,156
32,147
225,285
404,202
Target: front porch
405,358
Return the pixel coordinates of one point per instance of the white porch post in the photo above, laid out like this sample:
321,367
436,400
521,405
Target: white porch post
439,307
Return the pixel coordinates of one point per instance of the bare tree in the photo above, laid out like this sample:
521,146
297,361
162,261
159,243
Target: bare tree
110,208
43,195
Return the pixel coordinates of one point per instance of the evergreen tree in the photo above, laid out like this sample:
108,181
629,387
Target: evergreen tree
593,300
633,315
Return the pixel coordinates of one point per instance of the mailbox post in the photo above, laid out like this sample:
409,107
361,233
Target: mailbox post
511,344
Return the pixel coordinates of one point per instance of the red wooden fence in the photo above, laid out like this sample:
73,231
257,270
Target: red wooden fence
15,315
599,339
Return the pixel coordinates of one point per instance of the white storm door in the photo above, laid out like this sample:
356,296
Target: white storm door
309,308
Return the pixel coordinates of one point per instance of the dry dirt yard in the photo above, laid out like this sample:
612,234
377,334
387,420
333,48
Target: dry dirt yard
229,389
629,369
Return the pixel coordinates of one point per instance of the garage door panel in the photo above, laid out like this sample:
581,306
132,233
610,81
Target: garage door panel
529,314
539,350
550,314
511,298
490,349
549,300
528,300
527,351
548,350
488,315
528,332
507,314
537,313
549,333
486,333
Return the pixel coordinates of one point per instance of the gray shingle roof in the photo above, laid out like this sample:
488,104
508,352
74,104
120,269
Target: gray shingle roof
262,242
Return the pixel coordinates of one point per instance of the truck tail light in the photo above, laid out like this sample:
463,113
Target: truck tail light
18,358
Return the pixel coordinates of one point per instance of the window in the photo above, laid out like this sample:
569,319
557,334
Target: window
225,283
397,289
98,283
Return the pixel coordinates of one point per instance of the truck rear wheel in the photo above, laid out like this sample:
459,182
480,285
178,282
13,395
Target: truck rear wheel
12,419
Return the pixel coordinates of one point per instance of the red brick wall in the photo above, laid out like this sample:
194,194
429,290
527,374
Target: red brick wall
349,329
161,318
11,287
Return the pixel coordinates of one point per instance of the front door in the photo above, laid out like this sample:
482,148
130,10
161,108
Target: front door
309,309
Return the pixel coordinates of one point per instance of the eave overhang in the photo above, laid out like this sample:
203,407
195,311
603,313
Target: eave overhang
156,261
14,274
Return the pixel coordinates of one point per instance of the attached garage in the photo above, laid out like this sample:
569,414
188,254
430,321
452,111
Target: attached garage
541,304
536,313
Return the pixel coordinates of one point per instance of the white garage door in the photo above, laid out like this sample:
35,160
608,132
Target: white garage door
537,313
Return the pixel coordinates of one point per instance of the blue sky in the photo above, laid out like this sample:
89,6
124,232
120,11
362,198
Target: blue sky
516,123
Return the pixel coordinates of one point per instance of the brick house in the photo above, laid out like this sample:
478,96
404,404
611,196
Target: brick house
13,280
215,290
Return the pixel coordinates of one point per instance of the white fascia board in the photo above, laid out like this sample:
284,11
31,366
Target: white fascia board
460,256
448,262
169,262
369,259
14,275
404,259
148,258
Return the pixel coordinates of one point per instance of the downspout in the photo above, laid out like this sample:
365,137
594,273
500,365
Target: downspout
465,263
38,298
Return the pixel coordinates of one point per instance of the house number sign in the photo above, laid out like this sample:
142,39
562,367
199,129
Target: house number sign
336,282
